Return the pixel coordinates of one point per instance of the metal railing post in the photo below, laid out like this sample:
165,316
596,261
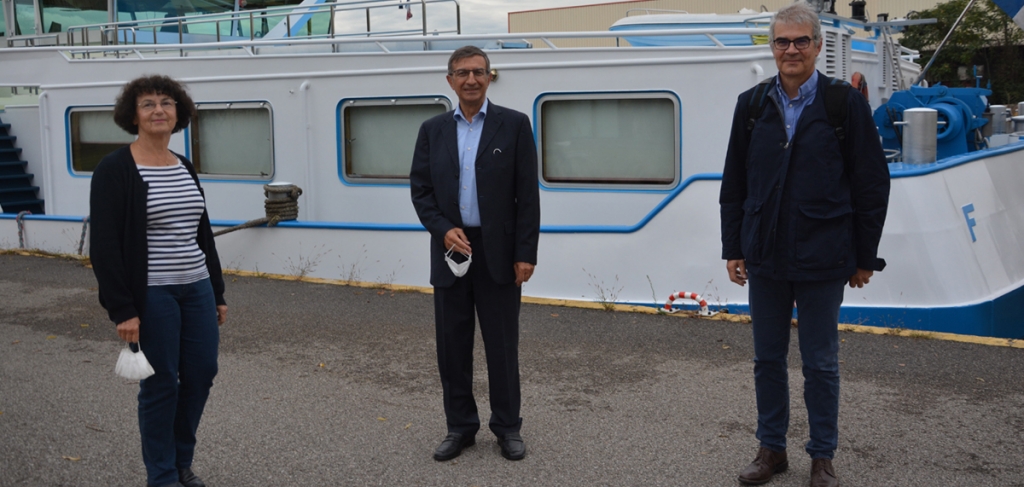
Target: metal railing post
252,27
458,18
368,22
423,9
288,24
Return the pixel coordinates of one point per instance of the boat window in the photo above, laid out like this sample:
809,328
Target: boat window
379,136
3,22
94,135
233,139
58,15
619,139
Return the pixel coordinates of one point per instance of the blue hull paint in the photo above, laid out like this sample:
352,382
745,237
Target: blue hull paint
1002,317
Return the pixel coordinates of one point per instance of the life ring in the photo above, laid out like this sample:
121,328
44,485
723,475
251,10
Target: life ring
704,311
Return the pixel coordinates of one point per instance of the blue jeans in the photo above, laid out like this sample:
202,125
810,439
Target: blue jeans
179,335
771,308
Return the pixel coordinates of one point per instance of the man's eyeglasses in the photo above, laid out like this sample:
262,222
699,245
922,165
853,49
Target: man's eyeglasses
801,43
150,105
464,73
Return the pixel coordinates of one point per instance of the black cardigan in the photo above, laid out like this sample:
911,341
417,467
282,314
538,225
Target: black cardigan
117,241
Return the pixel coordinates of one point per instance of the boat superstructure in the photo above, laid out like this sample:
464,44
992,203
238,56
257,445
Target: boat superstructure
631,142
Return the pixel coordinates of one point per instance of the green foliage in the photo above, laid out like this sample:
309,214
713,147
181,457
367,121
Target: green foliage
986,37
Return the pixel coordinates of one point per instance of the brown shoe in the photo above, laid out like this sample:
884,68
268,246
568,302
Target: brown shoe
822,473
766,464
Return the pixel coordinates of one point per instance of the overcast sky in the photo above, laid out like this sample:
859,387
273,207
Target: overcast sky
478,16
491,16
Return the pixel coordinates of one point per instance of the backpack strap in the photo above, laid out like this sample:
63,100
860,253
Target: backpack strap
835,105
758,100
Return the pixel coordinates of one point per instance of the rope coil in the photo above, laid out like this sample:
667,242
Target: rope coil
704,311
281,204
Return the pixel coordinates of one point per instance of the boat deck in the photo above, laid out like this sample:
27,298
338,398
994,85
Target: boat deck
333,385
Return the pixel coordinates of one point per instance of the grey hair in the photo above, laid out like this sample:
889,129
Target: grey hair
798,13
466,52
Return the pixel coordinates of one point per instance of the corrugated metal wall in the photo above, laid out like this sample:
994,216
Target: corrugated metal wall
601,16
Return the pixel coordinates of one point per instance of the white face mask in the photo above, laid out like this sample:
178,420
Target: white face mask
458,269
133,365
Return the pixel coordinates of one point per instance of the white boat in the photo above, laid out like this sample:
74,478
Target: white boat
631,144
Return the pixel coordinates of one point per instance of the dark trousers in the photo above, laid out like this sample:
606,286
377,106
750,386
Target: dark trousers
179,336
771,308
497,306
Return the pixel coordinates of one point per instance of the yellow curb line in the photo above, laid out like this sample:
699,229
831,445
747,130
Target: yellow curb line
569,303
734,318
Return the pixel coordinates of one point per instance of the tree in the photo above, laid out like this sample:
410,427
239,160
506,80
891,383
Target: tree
986,37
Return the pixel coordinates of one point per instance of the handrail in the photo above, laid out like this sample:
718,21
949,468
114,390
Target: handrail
80,33
647,11
439,38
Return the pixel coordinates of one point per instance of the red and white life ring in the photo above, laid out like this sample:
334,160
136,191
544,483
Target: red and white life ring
704,311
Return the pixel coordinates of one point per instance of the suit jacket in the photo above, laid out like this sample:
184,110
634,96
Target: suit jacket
507,191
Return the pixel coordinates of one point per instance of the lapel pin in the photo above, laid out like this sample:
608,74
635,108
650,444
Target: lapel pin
496,151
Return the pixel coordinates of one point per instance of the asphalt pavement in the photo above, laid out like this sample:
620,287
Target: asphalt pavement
327,385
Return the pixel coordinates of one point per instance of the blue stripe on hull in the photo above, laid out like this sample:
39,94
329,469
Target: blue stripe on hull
1002,317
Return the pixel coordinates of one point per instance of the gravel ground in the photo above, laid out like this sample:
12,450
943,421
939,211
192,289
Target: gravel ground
324,385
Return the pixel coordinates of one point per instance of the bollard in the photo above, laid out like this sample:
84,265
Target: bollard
920,134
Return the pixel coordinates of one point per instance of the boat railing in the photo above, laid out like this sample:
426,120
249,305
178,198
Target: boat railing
647,11
210,27
254,47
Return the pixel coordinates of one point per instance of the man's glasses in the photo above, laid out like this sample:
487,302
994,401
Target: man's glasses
801,43
150,105
464,73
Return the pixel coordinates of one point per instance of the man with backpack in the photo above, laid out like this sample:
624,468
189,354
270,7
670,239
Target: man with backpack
804,195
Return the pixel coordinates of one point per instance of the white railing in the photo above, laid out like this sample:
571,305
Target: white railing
177,29
252,47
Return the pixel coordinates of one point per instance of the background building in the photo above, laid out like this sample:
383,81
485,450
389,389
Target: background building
599,17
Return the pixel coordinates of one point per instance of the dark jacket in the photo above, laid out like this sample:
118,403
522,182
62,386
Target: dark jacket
118,247
796,210
507,191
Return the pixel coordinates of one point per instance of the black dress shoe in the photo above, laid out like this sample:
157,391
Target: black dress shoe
188,478
452,446
512,446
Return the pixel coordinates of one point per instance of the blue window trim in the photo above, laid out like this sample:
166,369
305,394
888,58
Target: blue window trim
339,137
186,133
607,188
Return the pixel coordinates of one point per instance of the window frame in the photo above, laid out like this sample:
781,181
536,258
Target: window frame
190,150
69,134
340,129
609,95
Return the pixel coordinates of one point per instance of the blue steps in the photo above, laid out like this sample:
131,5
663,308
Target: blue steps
17,193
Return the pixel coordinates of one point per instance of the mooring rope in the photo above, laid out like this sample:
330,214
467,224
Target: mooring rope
20,220
81,243
282,204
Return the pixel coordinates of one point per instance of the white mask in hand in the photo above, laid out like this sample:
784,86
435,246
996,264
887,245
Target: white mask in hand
458,269
133,365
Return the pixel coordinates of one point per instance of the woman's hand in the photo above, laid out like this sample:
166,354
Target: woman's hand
129,330
222,313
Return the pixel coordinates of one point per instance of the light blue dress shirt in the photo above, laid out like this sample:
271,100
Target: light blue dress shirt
469,143
793,108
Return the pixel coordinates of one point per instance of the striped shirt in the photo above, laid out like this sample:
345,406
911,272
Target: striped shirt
175,206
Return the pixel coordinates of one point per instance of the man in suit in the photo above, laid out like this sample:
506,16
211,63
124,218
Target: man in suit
474,187
803,204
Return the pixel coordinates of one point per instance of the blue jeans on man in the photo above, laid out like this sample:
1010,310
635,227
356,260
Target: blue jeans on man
179,335
771,308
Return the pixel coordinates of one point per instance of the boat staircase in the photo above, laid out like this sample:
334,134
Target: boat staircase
16,191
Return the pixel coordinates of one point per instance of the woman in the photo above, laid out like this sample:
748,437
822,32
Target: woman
159,275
